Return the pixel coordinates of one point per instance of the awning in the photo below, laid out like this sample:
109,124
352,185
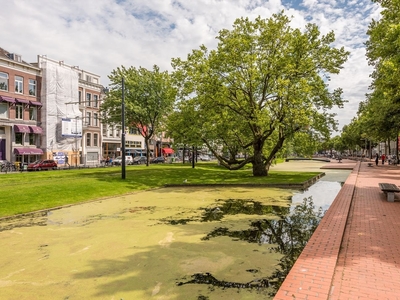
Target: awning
167,150
35,103
28,151
35,129
22,128
7,99
22,101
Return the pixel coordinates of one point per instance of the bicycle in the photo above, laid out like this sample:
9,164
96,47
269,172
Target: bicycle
8,167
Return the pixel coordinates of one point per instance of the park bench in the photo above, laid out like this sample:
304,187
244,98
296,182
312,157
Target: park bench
389,189
370,164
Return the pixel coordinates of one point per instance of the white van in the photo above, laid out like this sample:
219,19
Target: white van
118,160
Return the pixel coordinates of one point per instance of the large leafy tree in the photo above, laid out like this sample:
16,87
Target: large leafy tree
264,83
383,49
149,98
380,111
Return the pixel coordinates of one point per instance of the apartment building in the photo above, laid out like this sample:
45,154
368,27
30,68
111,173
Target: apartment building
91,93
20,106
71,100
51,110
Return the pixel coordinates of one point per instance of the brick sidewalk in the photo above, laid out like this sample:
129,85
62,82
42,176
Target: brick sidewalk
355,251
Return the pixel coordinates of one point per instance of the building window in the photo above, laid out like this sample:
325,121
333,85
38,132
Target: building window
95,100
105,130
80,97
32,139
19,111
3,111
96,119
3,81
88,99
88,118
18,138
134,130
32,87
33,113
134,144
88,139
19,84
2,130
95,140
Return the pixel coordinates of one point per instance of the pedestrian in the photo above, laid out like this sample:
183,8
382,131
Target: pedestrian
376,159
383,158
66,161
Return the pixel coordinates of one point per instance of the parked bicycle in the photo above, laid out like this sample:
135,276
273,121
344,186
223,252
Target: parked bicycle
8,167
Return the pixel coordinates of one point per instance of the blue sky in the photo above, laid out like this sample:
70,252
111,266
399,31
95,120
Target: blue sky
100,35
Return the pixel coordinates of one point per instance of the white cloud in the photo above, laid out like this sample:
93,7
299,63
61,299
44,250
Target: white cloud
100,35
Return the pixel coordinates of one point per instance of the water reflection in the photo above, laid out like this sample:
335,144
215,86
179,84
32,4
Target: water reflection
287,235
224,208
322,192
240,206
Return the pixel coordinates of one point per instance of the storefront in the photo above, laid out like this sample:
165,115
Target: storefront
27,155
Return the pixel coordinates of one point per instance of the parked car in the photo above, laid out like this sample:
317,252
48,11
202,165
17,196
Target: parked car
138,160
204,158
118,160
158,160
47,164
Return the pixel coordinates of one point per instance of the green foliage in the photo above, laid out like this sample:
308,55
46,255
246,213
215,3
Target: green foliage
263,84
305,144
149,98
381,109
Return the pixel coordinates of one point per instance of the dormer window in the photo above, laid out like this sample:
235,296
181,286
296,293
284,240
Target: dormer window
15,57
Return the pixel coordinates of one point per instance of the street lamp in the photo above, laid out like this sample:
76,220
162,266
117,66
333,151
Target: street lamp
123,175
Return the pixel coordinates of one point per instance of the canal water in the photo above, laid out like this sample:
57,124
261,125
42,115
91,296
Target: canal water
170,243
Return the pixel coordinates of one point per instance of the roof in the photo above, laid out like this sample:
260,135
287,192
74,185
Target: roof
4,54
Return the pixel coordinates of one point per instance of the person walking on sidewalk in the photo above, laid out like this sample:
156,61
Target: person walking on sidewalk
376,159
66,161
383,157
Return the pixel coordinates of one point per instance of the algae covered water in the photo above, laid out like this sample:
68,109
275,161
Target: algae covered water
146,245
170,243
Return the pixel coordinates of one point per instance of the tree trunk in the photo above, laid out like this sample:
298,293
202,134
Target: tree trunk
259,168
146,141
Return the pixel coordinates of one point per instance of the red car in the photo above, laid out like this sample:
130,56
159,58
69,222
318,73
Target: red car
47,164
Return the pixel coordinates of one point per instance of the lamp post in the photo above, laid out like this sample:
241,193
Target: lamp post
123,175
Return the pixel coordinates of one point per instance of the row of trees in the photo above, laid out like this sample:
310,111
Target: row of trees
378,116
263,89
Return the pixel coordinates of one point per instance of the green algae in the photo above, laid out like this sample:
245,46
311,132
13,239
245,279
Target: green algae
135,247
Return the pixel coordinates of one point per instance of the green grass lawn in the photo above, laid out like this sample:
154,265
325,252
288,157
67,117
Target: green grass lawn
31,191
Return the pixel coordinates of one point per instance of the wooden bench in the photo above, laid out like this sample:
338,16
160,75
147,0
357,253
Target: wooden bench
370,164
389,189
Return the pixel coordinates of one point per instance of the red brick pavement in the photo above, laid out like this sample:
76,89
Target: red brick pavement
355,251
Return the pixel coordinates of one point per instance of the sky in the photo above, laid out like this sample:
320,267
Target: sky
101,35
